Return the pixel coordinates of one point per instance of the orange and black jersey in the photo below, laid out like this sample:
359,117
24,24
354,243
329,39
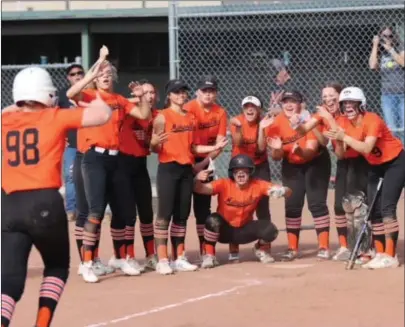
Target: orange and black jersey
236,205
178,146
248,146
107,135
387,146
209,124
281,128
135,135
323,126
32,147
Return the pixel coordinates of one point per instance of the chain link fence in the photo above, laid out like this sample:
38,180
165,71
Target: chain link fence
8,72
246,43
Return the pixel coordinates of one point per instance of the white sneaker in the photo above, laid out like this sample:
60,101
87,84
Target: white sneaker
124,265
88,272
323,254
384,261
135,264
263,256
209,261
101,269
80,269
342,254
233,257
182,264
151,262
163,267
372,261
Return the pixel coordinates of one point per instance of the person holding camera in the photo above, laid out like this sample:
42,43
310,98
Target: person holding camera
388,57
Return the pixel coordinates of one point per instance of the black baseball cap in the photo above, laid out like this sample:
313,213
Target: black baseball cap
207,82
294,95
175,85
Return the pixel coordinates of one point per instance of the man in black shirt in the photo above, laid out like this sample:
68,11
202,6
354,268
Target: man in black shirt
75,73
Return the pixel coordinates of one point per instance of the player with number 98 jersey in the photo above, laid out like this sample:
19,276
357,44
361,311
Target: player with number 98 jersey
33,213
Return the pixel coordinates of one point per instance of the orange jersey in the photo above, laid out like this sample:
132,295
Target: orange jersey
236,205
107,135
323,126
248,146
135,135
281,128
387,146
180,129
32,147
209,124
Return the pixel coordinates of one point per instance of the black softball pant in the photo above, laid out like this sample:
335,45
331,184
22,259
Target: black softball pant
202,209
133,192
98,171
351,176
33,218
310,179
175,188
217,229
384,215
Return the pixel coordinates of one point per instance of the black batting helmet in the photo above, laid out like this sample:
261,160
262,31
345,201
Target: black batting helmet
241,161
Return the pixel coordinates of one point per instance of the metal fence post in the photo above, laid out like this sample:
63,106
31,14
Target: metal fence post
173,39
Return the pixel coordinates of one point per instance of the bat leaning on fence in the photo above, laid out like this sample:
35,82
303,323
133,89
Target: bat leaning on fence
359,240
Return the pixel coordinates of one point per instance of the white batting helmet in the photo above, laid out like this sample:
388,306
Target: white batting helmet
34,84
353,94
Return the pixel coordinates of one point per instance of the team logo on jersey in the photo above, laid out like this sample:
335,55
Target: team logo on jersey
239,203
182,128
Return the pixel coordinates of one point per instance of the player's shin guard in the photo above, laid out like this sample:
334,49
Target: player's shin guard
293,232
161,235
177,238
378,231
49,294
90,238
391,230
341,228
147,232
7,309
322,225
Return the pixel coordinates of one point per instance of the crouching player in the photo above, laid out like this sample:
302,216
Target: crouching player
238,198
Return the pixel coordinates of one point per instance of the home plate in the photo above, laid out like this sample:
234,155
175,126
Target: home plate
291,266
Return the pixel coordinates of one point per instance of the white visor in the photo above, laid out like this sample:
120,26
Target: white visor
253,100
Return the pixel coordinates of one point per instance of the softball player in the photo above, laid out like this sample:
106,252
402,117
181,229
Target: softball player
368,134
33,213
211,123
238,198
133,186
175,175
351,169
306,169
99,164
245,132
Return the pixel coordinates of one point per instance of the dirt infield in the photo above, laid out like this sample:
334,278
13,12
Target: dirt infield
301,293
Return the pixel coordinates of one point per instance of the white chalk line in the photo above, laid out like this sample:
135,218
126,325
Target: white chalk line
178,304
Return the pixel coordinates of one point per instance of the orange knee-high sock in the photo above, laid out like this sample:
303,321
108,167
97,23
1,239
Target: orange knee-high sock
90,238
341,228
391,230
378,235
293,232
161,232
322,226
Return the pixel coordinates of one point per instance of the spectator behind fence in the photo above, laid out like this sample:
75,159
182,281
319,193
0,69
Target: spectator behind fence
388,56
75,73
